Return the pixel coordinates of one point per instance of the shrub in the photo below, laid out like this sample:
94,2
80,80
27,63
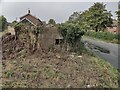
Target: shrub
71,34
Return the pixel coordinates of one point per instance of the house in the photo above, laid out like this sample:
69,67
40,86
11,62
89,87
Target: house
29,18
114,28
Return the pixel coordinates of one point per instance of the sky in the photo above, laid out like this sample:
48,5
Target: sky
60,11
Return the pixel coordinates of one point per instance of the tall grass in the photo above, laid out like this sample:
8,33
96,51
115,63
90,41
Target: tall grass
107,36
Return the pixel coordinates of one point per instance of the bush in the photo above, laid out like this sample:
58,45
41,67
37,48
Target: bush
71,34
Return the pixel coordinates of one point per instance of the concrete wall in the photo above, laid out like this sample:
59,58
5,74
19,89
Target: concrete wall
48,38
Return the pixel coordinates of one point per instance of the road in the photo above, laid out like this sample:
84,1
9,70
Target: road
111,57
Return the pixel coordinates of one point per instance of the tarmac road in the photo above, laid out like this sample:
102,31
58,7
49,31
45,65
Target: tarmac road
112,57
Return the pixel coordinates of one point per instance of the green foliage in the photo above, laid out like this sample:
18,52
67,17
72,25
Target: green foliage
3,23
71,33
74,16
96,18
14,23
52,21
18,26
103,35
9,73
118,15
38,30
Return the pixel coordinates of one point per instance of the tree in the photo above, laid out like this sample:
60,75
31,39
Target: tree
101,18
74,16
118,16
52,21
3,23
118,13
96,18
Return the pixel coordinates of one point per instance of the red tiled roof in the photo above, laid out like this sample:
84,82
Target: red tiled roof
33,19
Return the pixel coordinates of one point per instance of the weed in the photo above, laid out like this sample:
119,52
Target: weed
9,73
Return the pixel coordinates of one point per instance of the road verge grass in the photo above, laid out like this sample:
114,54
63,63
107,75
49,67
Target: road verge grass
105,68
104,36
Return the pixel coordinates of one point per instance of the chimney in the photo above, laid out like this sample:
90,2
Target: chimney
28,11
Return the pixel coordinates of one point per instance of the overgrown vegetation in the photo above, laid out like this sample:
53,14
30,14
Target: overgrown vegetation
14,23
71,34
53,70
3,23
96,18
104,36
60,69
94,22
27,36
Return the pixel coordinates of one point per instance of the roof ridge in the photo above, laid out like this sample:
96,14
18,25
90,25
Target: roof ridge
29,14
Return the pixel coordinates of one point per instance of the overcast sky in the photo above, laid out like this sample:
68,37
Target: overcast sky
60,11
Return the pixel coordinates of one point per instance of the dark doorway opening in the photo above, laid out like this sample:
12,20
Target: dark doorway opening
58,41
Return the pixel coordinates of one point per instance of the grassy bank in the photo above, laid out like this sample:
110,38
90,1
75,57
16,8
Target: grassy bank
45,69
106,68
55,70
105,36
